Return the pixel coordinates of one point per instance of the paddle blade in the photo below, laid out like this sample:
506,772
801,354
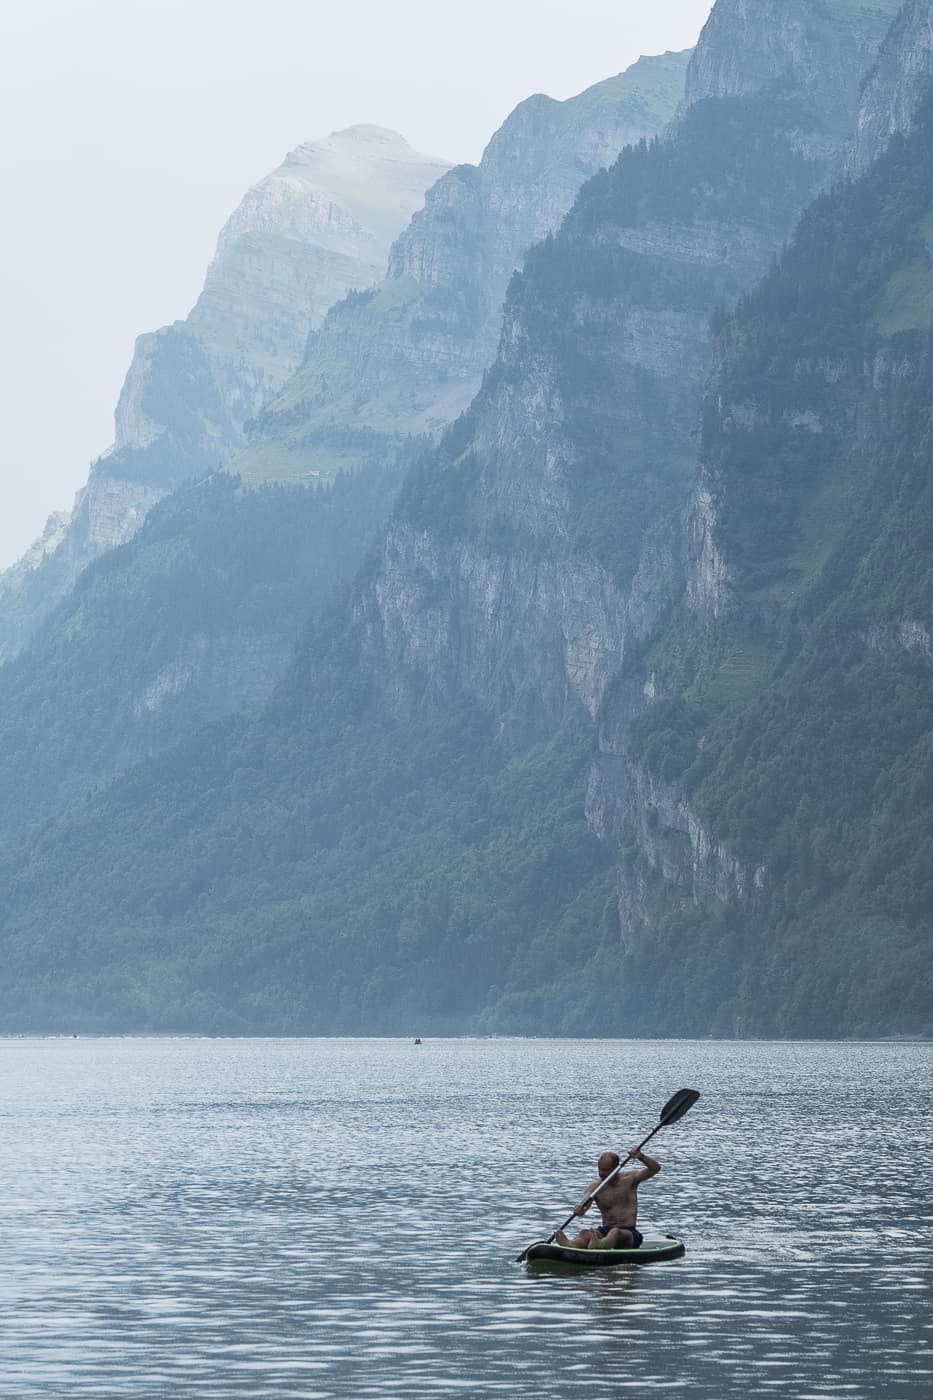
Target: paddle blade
676,1106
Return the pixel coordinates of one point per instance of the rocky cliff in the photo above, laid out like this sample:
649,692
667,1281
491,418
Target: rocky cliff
895,85
755,747
509,564
740,53
321,223
406,359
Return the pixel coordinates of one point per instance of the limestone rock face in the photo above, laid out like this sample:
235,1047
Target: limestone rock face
320,224
407,359
625,800
609,402
707,573
822,49
896,84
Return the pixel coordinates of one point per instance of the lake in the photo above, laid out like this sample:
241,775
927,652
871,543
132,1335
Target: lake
334,1218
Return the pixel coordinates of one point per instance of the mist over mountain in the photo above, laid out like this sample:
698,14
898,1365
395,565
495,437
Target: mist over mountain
402,362
623,724
320,224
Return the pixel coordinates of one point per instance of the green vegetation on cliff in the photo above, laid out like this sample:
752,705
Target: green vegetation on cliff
196,617
817,444
312,873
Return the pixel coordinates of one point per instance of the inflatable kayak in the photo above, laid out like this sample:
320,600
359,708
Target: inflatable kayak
649,1252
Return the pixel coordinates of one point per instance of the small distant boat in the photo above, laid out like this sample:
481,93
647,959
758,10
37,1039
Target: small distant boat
417,1039
544,1255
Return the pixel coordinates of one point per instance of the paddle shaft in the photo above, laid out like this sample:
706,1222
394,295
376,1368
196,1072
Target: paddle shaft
587,1200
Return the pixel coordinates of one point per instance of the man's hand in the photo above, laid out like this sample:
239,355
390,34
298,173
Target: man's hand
649,1167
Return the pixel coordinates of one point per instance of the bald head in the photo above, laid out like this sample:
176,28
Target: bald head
607,1163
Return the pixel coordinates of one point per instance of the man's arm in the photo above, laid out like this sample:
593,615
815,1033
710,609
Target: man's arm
649,1167
585,1204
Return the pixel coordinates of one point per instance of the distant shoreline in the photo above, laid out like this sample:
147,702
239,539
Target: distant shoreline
407,1039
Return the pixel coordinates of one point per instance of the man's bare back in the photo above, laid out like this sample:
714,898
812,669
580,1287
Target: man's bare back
618,1204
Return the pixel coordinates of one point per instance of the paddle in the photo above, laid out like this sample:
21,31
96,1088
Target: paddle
674,1109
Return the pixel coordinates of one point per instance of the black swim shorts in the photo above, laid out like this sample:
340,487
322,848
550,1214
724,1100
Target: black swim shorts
637,1236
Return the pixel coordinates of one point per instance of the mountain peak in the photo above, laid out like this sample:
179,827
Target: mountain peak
372,134
318,225
365,143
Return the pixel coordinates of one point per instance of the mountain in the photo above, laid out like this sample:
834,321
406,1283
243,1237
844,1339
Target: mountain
320,224
202,661
601,738
533,513
404,359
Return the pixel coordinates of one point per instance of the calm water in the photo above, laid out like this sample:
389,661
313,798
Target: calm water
201,1218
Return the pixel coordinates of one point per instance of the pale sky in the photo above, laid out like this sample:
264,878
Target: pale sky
131,128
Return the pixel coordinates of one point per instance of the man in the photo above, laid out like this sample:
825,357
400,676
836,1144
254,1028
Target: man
618,1204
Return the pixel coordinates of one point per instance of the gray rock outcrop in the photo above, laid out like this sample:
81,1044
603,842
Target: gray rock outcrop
895,85
616,388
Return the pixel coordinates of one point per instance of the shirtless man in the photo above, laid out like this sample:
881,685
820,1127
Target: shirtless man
618,1204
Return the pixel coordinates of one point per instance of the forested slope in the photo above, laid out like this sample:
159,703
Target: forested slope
196,617
790,707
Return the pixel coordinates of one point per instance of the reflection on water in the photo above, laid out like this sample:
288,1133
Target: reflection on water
309,1219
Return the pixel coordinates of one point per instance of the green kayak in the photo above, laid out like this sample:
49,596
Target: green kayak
545,1255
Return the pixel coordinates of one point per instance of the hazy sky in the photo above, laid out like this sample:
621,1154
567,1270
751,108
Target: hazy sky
130,129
